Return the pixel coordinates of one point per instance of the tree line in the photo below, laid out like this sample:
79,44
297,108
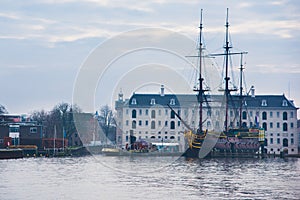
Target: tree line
59,122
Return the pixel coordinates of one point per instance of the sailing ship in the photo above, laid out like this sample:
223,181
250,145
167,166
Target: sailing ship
233,141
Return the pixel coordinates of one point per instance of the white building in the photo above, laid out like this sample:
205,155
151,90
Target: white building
147,116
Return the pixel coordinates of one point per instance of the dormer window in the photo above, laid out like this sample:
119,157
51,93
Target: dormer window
152,102
284,103
264,102
133,101
172,101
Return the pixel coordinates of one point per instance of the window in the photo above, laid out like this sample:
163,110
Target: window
264,115
251,113
172,137
284,103
166,123
271,140
278,125
292,134
208,124
244,115
159,123
208,113
231,113
33,129
284,116
127,111
292,114
127,122
166,112
172,126
133,124
244,124
172,114
278,114
278,140
159,112
278,134
172,101
292,140
152,124
133,101
264,102
271,114
264,126
146,123
217,124
133,113
146,112
152,137
271,124
166,137
152,102
1,141
140,112
140,122
284,127
285,142
292,125
153,114
178,123
178,112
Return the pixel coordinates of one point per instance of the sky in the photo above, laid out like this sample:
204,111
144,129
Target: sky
45,43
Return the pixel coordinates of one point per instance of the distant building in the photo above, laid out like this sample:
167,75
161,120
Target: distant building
147,116
17,130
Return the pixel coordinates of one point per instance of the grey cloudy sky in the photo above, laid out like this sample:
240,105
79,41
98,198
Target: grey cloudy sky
44,42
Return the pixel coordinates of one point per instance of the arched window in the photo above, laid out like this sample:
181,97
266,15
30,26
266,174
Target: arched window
244,124
133,124
285,142
208,113
133,114
244,115
172,125
153,114
172,114
152,124
208,124
172,137
284,116
265,126
284,127
264,115
152,137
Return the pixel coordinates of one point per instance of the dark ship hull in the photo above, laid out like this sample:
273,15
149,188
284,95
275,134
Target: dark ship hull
236,143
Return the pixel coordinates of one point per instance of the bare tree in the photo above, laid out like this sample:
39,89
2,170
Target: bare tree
106,122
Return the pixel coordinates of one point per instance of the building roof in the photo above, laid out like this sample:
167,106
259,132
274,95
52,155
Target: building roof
188,100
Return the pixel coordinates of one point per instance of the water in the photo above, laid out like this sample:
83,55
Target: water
100,177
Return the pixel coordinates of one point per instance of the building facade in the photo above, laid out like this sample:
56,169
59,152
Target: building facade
15,130
149,116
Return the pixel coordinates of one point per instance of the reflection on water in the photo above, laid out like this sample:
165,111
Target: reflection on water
101,177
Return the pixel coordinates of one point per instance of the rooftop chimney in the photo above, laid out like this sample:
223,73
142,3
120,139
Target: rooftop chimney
162,91
252,90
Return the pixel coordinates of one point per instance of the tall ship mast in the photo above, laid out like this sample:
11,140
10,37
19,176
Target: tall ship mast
232,141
